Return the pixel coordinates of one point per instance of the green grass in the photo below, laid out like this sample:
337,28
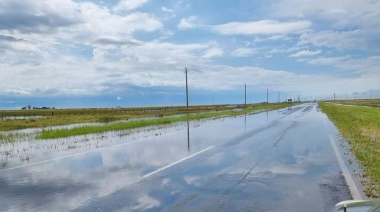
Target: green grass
83,130
360,126
360,102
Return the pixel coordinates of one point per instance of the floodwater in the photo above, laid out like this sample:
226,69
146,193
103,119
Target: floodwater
20,117
273,161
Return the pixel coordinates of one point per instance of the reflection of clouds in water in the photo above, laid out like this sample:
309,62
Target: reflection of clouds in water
214,159
27,149
192,180
110,170
286,169
146,202
173,192
262,173
165,181
58,187
302,162
104,172
312,159
39,193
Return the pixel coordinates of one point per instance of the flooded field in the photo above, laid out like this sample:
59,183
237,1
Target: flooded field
23,147
20,117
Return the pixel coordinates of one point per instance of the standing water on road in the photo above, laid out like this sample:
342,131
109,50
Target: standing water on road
279,160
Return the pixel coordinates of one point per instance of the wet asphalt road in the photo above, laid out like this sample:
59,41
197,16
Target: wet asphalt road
273,161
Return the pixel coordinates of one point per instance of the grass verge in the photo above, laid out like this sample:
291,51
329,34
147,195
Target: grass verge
360,126
360,102
83,130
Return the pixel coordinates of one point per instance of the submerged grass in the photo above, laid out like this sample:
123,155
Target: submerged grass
7,138
18,124
360,126
83,130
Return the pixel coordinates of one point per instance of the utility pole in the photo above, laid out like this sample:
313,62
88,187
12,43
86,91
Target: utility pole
334,96
267,96
278,97
370,94
187,91
245,95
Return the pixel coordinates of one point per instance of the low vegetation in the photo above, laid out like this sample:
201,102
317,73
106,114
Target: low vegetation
360,102
360,126
82,130
22,119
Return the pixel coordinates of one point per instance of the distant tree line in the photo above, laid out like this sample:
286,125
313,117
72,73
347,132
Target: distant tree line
29,107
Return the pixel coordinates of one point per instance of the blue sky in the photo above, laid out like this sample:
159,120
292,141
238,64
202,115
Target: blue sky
67,53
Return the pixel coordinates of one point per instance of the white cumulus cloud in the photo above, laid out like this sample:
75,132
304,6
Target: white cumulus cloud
242,52
188,23
305,53
262,27
364,39
125,5
165,9
213,52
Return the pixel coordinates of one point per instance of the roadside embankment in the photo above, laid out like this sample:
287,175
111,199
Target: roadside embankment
360,126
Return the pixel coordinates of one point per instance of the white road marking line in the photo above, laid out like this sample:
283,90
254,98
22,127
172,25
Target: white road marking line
167,166
179,161
350,182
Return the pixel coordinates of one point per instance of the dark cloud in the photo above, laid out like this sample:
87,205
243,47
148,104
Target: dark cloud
47,91
114,41
51,91
33,23
10,38
30,17
28,62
